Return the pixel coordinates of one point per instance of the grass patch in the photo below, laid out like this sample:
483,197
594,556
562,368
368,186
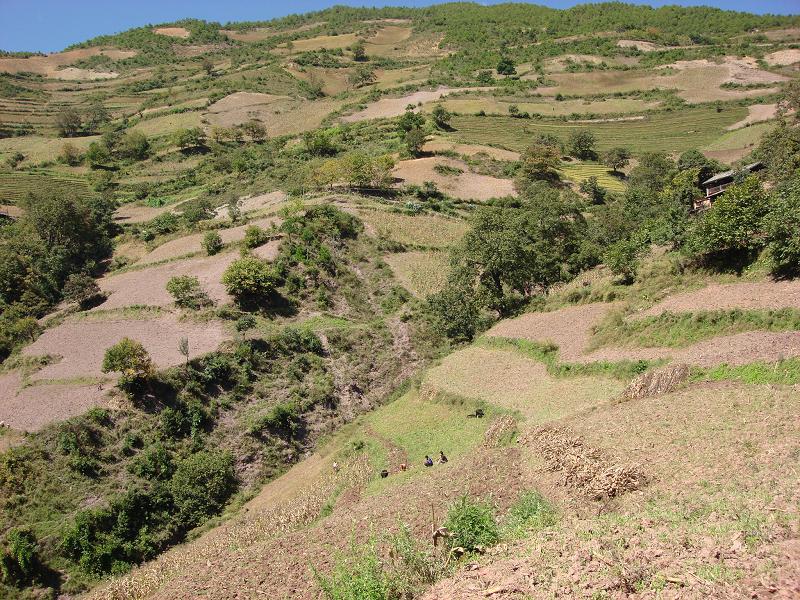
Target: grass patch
422,230
421,273
529,513
580,172
783,372
548,354
675,330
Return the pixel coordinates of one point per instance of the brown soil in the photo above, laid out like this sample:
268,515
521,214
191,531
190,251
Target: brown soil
82,343
31,408
193,243
783,57
639,45
761,295
443,145
268,251
49,65
394,107
467,186
253,203
179,32
148,286
569,328
756,113
132,213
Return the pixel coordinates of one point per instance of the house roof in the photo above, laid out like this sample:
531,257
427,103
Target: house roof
729,174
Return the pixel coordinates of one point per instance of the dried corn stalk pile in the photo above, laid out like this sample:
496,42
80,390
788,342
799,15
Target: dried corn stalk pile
582,467
499,432
656,382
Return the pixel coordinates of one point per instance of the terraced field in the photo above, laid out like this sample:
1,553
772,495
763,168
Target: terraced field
660,132
15,186
579,172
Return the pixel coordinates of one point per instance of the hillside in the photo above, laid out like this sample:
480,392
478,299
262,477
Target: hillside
252,274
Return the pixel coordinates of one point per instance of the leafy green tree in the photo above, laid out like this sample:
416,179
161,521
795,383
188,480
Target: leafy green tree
622,258
97,155
506,67
581,144
441,117
190,138
19,562
129,358
652,173
254,236
187,292
694,159
250,281
96,116
212,243
69,122
782,228
320,142
733,226
539,162
616,158
410,120
779,150
245,323
134,145
592,188
361,76
414,141
455,311
201,486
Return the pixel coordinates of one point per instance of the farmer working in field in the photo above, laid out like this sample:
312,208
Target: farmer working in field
428,461
442,457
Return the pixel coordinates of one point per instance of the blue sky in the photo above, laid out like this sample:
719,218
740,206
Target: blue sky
49,25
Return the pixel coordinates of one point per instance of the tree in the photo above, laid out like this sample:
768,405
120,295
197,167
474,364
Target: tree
455,311
779,150
208,66
410,120
782,228
359,51
20,563
250,281
616,158
319,142
97,155
201,485
96,116
622,258
694,159
652,173
68,122
593,189
82,289
539,162
190,138
254,236
255,129
581,144
187,292
70,155
415,140
733,226
134,145
129,358
362,75
212,243
441,117
506,67
790,100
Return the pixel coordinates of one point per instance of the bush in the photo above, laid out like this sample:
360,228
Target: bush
250,281
131,359
782,227
212,243
19,562
530,512
187,292
472,524
202,484
254,236
622,258
81,289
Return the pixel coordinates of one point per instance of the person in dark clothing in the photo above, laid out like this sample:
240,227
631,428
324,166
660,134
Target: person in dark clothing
442,457
428,461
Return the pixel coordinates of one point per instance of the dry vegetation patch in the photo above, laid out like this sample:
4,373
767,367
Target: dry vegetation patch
394,107
421,273
640,45
654,383
178,32
421,230
49,66
445,145
517,383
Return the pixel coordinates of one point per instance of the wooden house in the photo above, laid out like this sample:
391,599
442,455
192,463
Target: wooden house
715,185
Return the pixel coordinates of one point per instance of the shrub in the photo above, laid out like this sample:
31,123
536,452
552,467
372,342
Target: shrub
131,359
70,155
19,562
622,258
202,484
212,243
81,288
473,525
782,227
187,292
254,236
250,281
